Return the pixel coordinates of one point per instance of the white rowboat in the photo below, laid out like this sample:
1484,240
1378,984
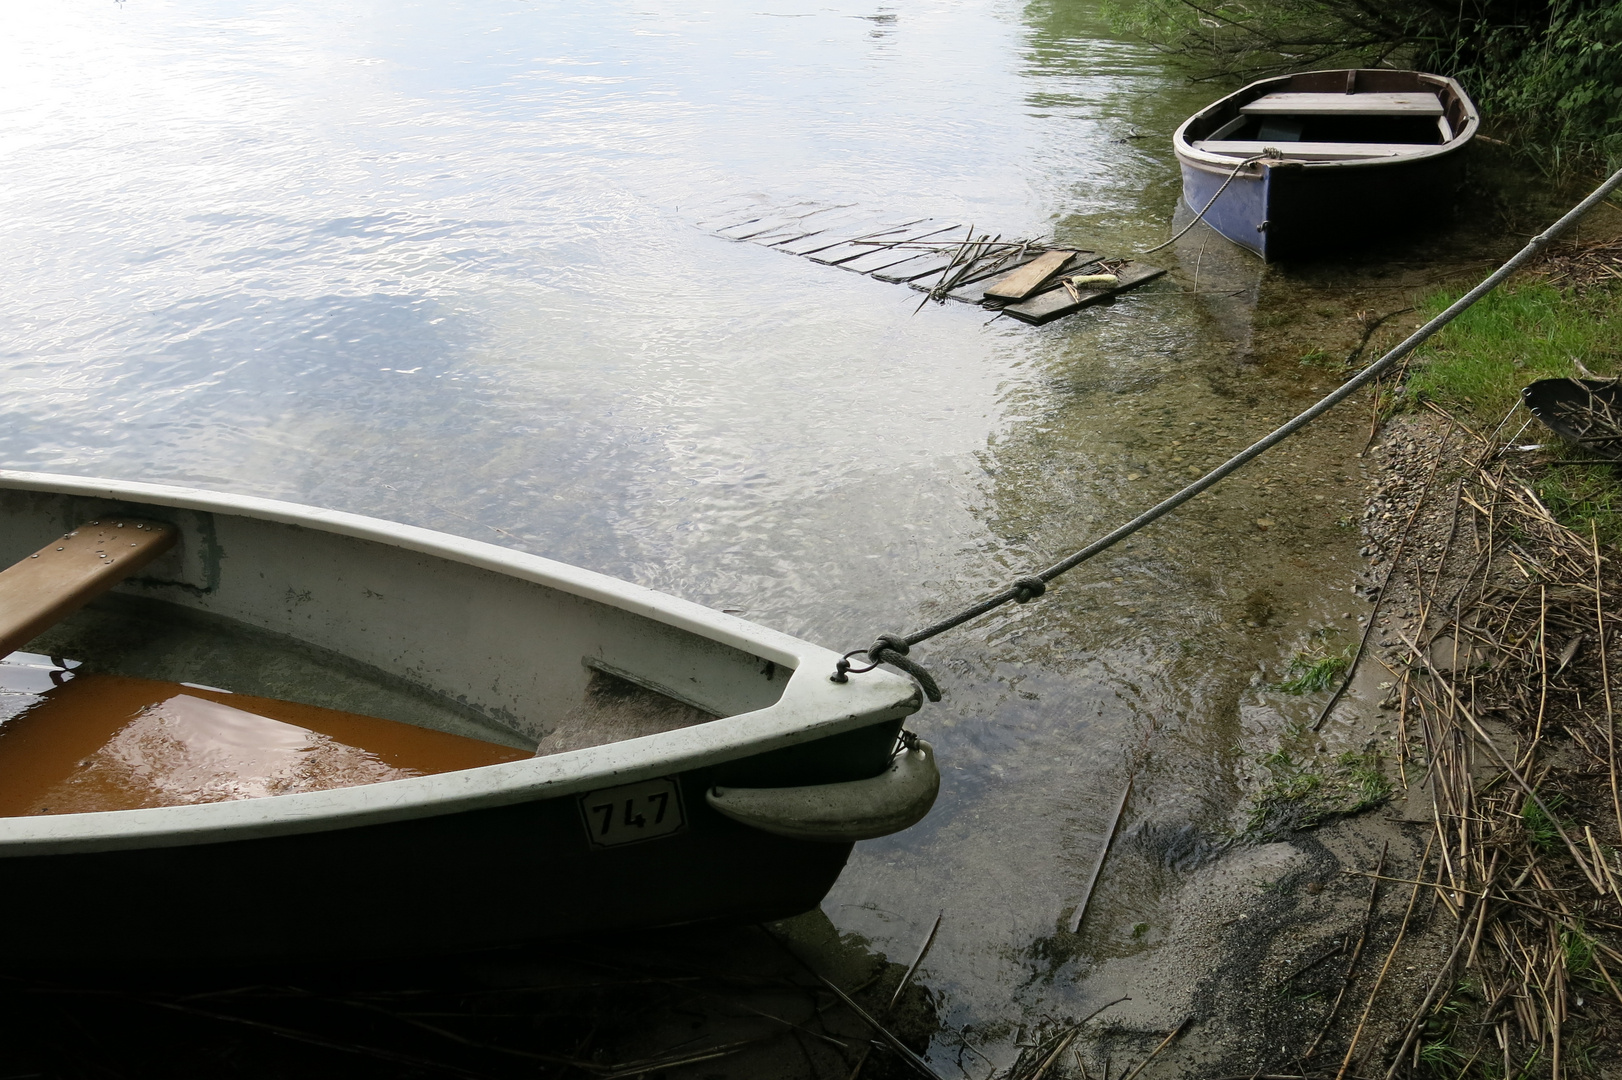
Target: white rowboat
631,700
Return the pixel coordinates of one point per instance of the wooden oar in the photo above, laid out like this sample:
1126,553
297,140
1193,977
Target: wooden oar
69,572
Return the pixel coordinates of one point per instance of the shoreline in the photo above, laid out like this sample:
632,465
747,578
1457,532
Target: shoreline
1379,910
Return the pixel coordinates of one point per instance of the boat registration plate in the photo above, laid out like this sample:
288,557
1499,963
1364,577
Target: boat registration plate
635,812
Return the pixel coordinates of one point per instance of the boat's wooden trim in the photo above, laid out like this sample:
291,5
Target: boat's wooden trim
1310,151
811,706
1311,104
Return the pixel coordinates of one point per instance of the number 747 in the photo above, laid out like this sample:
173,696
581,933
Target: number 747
632,819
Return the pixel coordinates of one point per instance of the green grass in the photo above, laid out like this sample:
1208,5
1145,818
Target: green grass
1300,797
1584,496
1309,673
1477,366
1539,826
1579,950
1512,337
1368,786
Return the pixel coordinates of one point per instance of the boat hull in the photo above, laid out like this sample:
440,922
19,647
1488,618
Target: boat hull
480,879
1299,212
1319,204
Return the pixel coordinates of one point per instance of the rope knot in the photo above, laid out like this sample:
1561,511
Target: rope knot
1029,588
888,643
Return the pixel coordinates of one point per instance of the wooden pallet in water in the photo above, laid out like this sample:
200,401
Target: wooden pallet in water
1024,279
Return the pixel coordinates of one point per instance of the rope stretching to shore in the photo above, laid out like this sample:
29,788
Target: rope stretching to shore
893,648
1268,154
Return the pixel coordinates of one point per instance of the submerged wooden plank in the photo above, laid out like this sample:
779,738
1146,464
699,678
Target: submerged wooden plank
864,245
766,232
1406,104
929,262
811,242
1029,277
978,291
882,257
69,572
1057,302
753,227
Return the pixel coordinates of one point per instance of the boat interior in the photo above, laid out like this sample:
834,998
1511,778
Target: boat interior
112,700
1323,116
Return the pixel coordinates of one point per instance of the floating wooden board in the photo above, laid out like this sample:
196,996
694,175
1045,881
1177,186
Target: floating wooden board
72,570
978,292
1057,302
981,273
778,233
879,259
731,232
839,253
1031,276
749,230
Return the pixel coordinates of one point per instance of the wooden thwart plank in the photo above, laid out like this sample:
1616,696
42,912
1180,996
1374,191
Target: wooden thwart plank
1057,302
73,570
1028,278
1409,104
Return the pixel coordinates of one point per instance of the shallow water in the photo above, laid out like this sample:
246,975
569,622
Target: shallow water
443,263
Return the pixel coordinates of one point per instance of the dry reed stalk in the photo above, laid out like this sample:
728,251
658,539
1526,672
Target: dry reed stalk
1537,904
1357,952
1176,1031
1379,982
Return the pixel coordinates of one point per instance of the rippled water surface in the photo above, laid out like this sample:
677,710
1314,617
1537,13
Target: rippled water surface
443,263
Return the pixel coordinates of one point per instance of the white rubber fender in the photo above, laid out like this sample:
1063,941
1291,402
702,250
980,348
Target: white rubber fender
854,810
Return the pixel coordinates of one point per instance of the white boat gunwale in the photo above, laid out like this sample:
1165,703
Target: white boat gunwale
1223,164
810,707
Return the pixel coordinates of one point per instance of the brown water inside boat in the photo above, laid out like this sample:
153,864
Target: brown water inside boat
110,742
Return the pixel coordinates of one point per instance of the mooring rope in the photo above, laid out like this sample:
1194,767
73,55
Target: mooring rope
893,648
1268,154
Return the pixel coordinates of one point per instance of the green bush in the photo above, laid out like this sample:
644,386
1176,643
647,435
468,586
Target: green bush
1563,94
1547,72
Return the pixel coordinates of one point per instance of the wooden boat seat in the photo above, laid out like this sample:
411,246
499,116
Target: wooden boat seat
1306,151
69,572
1412,104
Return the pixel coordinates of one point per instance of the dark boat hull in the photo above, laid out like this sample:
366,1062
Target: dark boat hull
489,878
1295,211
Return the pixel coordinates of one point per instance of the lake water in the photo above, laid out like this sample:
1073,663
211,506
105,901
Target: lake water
445,263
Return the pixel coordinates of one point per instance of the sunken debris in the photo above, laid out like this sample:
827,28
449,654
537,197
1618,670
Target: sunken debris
1026,279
